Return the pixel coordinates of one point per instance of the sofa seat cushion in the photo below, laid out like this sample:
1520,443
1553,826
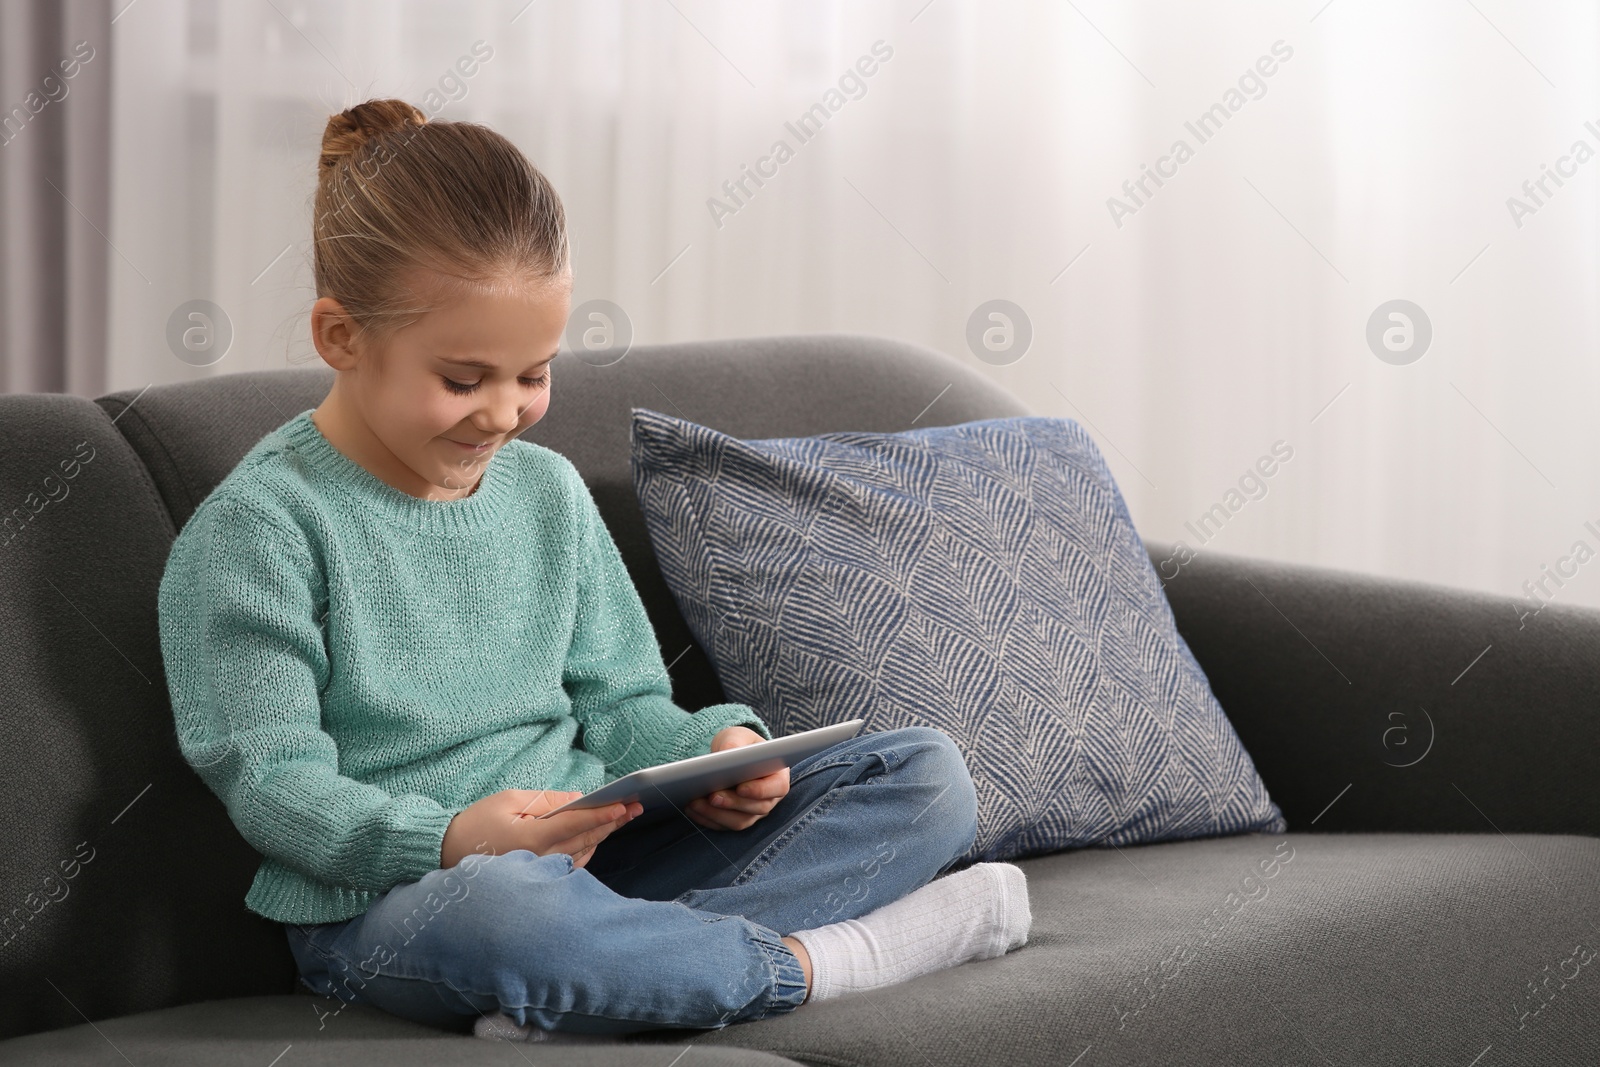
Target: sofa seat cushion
1364,949
1257,949
302,1031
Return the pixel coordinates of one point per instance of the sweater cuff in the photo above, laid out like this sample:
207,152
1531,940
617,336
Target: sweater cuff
417,844
695,737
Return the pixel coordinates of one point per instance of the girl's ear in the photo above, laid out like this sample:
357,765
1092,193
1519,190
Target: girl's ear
333,332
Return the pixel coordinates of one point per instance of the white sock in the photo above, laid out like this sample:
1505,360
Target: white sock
498,1026
974,914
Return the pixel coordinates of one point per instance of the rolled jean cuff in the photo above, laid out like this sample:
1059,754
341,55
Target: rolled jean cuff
788,978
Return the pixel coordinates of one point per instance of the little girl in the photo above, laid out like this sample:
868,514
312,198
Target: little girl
396,630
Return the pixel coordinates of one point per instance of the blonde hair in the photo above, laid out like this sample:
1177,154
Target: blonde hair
397,193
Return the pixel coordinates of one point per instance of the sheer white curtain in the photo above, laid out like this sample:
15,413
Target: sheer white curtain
1192,329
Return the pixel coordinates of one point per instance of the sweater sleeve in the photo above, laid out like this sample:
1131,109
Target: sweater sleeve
245,661
614,675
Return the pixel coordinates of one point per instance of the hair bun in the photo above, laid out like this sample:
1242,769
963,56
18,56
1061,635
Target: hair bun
349,130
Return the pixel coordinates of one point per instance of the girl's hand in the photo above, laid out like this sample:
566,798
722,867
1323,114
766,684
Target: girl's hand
504,821
739,808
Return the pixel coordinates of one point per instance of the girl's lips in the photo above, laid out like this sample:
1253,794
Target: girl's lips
469,448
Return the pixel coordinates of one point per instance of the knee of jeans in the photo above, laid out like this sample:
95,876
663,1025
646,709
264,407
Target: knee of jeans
938,751
519,864
507,876
939,762
488,901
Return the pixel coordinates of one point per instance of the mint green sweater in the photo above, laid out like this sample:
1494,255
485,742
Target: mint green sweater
350,666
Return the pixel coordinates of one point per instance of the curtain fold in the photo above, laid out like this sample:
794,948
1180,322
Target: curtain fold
55,188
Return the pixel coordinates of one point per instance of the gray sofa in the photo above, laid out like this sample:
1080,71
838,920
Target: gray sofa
1435,899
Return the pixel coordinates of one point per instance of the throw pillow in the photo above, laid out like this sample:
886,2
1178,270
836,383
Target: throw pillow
985,579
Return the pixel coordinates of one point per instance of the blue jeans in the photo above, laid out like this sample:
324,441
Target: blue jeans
670,924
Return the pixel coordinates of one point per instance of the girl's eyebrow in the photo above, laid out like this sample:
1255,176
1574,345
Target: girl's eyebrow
490,366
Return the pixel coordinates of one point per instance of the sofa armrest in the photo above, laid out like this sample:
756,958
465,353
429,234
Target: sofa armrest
1371,704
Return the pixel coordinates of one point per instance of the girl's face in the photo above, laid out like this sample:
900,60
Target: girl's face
428,411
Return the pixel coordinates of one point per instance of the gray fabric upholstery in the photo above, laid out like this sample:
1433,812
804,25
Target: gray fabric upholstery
1313,665
1370,949
307,1032
1366,949
89,755
1374,949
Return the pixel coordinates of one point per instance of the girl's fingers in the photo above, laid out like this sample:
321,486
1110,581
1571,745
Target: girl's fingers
708,815
702,816
772,786
758,795
726,818
727,800
586,840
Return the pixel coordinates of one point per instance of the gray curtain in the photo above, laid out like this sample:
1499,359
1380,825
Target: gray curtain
55,194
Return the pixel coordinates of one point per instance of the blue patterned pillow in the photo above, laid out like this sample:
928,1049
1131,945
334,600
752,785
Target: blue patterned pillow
985,579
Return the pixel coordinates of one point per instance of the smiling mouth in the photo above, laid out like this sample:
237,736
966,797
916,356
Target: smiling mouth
470,448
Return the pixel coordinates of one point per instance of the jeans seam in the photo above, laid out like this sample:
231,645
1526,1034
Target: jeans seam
887,756
768,854
327,956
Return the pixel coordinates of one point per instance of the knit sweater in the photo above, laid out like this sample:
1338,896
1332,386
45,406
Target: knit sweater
350,665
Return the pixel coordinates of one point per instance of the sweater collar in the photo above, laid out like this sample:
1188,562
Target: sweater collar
481,510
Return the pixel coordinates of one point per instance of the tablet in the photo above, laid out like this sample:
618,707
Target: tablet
666,788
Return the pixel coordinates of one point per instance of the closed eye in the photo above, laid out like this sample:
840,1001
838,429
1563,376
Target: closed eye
463,388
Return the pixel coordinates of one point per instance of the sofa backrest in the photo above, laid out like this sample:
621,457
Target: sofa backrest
124,877
191,435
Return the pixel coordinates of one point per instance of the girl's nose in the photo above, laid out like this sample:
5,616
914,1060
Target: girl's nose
501,414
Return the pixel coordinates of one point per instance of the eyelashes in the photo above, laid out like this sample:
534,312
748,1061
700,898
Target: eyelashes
464,388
